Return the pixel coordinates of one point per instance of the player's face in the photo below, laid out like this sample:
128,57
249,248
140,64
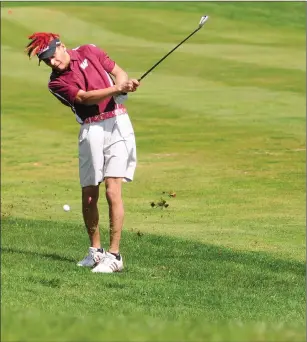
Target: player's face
60,59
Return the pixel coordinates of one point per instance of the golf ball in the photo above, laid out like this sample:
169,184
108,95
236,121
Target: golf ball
66,207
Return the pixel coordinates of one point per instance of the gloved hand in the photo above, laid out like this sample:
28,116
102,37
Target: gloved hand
120,99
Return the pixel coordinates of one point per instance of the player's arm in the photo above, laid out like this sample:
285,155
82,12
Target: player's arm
93,97
69,94
119,74
121,77
122,85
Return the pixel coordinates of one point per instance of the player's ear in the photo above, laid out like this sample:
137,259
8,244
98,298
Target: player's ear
63,46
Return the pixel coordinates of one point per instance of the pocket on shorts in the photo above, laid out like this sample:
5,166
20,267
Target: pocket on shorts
83,133
124,125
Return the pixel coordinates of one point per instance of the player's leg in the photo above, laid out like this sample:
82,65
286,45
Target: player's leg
116,211
91,140
90,195
119,166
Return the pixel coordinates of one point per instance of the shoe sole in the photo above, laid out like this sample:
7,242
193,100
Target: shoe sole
117,271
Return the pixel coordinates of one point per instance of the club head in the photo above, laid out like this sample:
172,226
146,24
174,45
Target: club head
203,19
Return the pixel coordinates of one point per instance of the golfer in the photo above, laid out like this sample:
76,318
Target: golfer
88,81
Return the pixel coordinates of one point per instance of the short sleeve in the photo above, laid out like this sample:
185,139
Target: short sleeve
64,92
107,63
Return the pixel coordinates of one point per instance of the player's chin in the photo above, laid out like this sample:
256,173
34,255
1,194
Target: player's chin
59,67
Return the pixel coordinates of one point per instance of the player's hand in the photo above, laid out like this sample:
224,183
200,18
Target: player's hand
128,86
124,87
135,84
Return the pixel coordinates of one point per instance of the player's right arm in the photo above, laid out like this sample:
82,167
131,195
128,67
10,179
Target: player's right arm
71,94
92,97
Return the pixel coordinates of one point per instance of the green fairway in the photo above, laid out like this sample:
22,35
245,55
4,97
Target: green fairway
221,122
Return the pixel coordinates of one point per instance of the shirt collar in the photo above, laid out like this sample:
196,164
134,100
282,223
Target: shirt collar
73,55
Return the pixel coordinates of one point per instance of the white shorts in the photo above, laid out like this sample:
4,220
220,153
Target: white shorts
107,149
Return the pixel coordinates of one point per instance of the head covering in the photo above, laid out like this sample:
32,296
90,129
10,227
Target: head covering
48,51
42,44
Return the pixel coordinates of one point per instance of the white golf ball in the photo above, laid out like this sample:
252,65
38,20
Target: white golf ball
66,207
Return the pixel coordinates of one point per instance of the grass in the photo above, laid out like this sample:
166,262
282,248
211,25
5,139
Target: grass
166,279
221,123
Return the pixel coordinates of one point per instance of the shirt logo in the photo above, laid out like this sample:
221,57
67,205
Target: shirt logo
84,64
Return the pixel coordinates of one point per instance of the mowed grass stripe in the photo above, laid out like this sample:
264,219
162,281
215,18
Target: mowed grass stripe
230,72
286,135
234,103
217,99
220,30
262,16
66,24
295,83
210,69
263,55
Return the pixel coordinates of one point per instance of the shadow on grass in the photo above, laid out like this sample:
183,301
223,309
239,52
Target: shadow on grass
165,275
170,248
155,250
52,256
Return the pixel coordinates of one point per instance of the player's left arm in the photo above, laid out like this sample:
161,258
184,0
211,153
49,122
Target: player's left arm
120,76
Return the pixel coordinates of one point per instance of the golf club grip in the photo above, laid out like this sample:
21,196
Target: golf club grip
126,93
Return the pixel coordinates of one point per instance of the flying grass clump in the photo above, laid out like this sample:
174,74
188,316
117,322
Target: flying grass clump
162,203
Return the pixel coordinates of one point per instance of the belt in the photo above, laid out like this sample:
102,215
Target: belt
106,115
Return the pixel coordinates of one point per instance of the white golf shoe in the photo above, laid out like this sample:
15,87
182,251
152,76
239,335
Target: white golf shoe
94,256
109,264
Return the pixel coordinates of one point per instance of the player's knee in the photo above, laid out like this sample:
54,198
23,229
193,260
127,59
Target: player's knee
90,195
113,194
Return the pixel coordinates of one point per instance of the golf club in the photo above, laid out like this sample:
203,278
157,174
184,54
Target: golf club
201,24
203,19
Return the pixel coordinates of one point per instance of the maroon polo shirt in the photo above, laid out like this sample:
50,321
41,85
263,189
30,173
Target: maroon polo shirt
89,69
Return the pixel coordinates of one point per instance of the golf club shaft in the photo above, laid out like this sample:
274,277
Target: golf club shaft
162,59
